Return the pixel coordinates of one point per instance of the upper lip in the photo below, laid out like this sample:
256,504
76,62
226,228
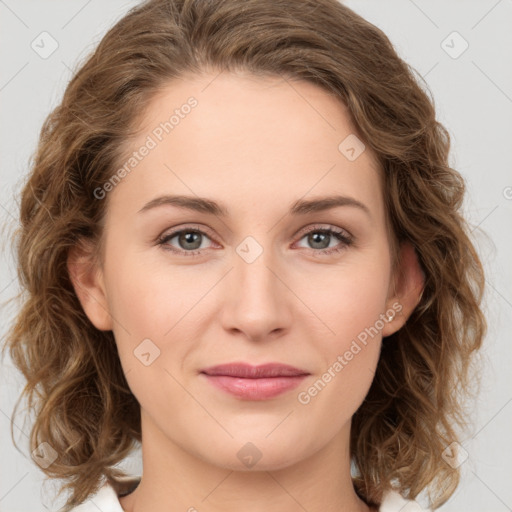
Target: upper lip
248,371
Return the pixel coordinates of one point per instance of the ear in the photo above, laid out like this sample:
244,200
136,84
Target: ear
406,290
87,280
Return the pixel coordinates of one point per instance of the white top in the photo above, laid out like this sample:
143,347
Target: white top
107,500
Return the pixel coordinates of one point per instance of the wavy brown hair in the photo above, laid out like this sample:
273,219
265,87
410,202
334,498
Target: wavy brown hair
75,383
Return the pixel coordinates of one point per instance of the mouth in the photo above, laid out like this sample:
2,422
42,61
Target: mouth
249,382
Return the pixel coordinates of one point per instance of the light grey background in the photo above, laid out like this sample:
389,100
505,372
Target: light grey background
473,96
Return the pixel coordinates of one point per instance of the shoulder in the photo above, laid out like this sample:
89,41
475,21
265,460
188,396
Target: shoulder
107,497
394,502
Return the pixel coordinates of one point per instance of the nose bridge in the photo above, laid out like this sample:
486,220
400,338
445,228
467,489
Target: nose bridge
253,262
255,293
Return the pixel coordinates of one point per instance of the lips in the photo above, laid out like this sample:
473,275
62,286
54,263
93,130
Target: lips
249,382
247,371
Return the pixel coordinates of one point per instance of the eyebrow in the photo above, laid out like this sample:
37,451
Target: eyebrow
299,207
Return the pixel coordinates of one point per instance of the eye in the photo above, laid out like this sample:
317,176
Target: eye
189,239
320,238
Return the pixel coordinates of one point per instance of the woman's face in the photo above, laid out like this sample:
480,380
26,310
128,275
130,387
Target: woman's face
261,283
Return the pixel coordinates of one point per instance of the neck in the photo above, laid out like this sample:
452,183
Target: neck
175,480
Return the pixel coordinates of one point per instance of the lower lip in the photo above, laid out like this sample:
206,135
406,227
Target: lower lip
255,389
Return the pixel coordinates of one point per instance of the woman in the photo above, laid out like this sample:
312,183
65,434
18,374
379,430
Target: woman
310,348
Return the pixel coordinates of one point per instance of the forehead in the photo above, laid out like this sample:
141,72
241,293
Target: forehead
247,141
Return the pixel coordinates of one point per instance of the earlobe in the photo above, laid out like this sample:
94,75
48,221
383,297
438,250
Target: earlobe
89,286
408,287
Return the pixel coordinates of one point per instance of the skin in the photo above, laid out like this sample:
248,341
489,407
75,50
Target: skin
255,145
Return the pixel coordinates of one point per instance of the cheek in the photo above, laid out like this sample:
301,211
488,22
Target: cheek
149,300
348,355
159,314
150,310
349,305
348,301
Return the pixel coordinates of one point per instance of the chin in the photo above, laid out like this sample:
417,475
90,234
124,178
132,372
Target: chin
258,452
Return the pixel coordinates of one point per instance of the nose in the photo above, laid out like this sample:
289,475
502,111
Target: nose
257,299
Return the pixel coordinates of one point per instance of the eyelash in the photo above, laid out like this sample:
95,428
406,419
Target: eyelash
346,239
